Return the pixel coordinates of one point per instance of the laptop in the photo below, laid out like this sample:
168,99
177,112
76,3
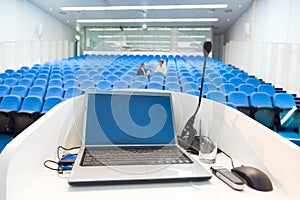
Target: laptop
129,137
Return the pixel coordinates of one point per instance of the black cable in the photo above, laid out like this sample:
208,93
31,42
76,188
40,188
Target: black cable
59,170
66,149
229,158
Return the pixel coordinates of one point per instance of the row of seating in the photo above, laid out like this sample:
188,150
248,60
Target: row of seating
17,114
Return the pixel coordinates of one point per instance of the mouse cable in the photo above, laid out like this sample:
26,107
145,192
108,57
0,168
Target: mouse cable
58,169
228,157
64,148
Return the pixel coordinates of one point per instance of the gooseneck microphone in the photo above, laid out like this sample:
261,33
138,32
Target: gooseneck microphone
190,143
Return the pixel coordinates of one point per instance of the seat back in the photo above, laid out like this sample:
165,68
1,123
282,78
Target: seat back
19,90
216,96
31,104
72,91
37,90
50,103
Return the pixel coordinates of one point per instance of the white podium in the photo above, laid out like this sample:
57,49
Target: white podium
23,176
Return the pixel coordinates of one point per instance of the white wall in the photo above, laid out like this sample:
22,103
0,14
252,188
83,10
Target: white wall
20,42
271,51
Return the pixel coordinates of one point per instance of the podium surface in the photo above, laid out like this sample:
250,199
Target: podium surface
23,175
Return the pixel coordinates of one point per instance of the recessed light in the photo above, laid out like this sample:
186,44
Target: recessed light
68,21
228,20
50,9
240,6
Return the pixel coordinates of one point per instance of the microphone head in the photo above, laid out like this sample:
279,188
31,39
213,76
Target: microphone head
207,45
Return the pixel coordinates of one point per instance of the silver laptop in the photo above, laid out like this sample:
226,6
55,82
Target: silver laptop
129,137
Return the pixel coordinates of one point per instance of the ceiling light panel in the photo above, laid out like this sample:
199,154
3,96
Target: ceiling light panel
147,20
155,7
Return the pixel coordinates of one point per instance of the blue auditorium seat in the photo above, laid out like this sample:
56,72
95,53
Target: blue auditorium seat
228,76
218,81
289,114
263,111
16,75
4,76
216,96
68,77
240,100
142,78
207,87
87,84
73,91
104,85
227,88
41,82
54,91
112,78
127,78
50,103
4,90
160,74
10,82
26,82
236,81
55,82
157,79
243,76
9,105
247,88
118,73
120,85
37,90
19,90
42,76
9,71
28,113
92,73
70,83
30,76
254,81
82,77
172,86
96,78
56,76
154,85
138,84
189,86
172,79
193,92
270,89
187,79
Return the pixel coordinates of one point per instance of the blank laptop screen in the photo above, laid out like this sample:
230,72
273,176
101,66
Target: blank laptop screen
128,119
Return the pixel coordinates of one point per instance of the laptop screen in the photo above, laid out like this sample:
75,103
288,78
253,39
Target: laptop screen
128,118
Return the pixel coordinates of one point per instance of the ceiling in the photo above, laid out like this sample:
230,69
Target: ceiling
226,16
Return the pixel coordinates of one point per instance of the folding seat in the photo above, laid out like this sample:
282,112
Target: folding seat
236,72
227,88
92,73
131,73
41,82
9,105
118,73
187,79
171,73
120,85
1,81
218,81
112,78
55,82
70,82
10,82
29,112
104,85
19,90
154,85
172,79
79,72
33,71
142,78
243,76
30,76
172,86
208,87
138,84
254,81
211,76
228,76
56,76
267,88
50,103
4,90
16,75
37,90
26,82
247,88
9,71
86,84
25,68
240,100
82,77
127,78
288,113
236,81
263,110
42,76
72,92
54,91
157,79
189,86
68,77
216,96
158,74
105,74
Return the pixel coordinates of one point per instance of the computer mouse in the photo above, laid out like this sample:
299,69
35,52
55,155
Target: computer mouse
254,178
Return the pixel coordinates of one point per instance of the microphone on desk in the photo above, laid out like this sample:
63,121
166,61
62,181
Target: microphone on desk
192,143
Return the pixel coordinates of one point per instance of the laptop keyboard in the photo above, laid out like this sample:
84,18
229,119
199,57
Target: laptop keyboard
128,155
